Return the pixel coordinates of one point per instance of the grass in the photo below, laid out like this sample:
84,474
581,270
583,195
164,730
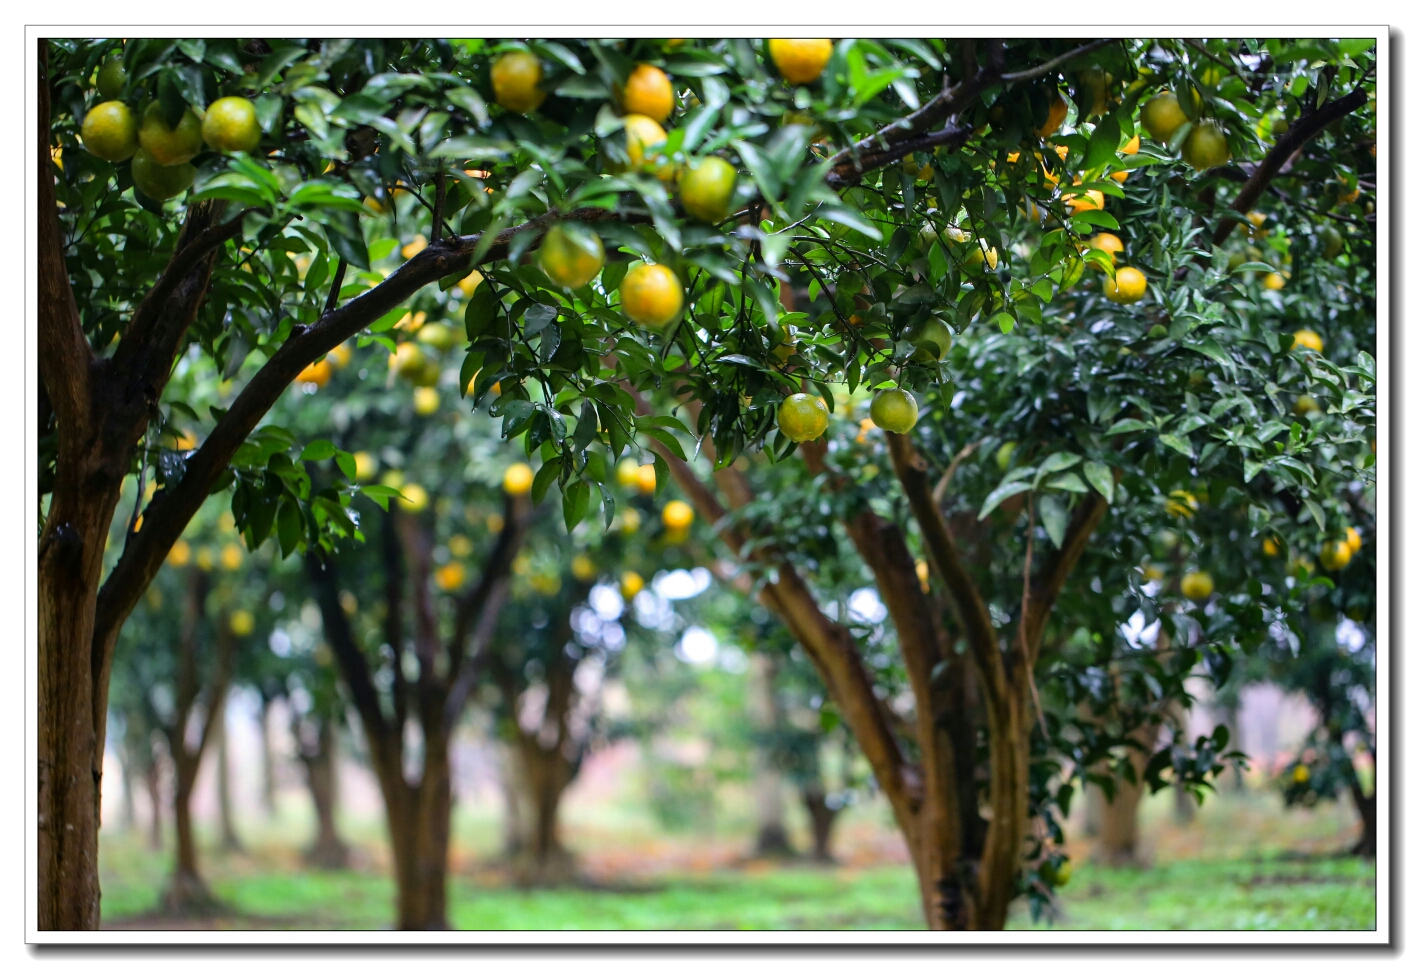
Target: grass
1244,864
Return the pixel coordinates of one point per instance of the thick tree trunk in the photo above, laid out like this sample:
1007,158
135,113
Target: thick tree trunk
321,772
772,841
543,776
230,838
126,766
187,892
419,821
1120,844
1365,805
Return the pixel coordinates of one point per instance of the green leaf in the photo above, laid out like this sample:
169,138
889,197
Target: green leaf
1054,517
1127,426
347,465
1001,494
1318,514
320,450
380,494
1100,476
548,474
575,503
289,525
1179,443
1069,481
1100,150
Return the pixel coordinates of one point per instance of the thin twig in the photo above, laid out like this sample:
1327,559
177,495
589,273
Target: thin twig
942,487
1053,63
335,286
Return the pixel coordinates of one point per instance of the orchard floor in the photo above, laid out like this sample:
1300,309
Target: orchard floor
1243,863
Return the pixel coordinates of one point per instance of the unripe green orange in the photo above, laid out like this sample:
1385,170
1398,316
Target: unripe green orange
1196,586
110,131
230,125
933,340
160,182
802,417
706,189
1161,116
1206,146
571,255
111,78
894,410
166,145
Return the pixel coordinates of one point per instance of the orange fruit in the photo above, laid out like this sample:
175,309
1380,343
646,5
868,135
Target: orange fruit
1206,146
1335,555
437,335
1274,281
425,401
242,622
651,295
1161,116
170,146
1301,773
230,125
231,556
1270,547
450,577
630,585
1353,540
1306,404
800,61
1107,241
365,466
1093,200
414,497
518,479
642,134
317,373
1128,286
647,478
1131,146
110,131
1120,176
677,514
571,255
1196,586
515,80
706,189
179,554
894,410
626,473
649,92
803,417
1055,117
1309,339
111,78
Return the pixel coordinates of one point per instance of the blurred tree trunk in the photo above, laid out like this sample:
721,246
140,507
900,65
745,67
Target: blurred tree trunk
1365,805
267,760
1119,815
128,820
187,892
515,815
152,778
822,821
544,775
1184,807
230,838
763,707
419,822
320,760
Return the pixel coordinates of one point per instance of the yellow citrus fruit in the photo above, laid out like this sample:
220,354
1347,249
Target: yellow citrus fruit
629,521
469,283
1206,146
1181,503
515,80
1107,241
425,400
418,243
1196,586
582,568
1128,285
317,373
641,136
440,336
803,417
1161,116
365,466
160,182
1309,339
1301,773
167,145
1353,540
1093,200
626,473
204,559
933,340
1131,146
450,576
230,125
647,478
1306,405
340,356
1270,548
1119,176
800,61
651,295
571,255
242,623
677,514
393,478
459,545
414,497
179,554
1004,454
231,556
1055,116
706,189
518,479
111,78
894,410
1062,875
1274,281
630,585
649,92
1335,555
110,131
407,360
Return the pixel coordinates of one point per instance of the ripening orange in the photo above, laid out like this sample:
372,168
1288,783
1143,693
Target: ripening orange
649,92
515,81
651,295
518,479
1128,286
677,514
800,61
317,373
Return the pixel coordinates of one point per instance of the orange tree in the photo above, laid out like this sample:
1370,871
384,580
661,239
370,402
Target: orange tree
180,187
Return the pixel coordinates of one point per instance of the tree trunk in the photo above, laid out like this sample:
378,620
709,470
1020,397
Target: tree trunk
187,892
230,839
1119,816
152,777
822,822
543,776
515,820
329,851
267,761
419,820
1365,805
126,766
771,838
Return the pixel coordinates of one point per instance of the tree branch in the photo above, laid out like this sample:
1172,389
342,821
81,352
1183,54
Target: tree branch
64,354
1302,131
189,254
1020,77
323,578
1077,536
